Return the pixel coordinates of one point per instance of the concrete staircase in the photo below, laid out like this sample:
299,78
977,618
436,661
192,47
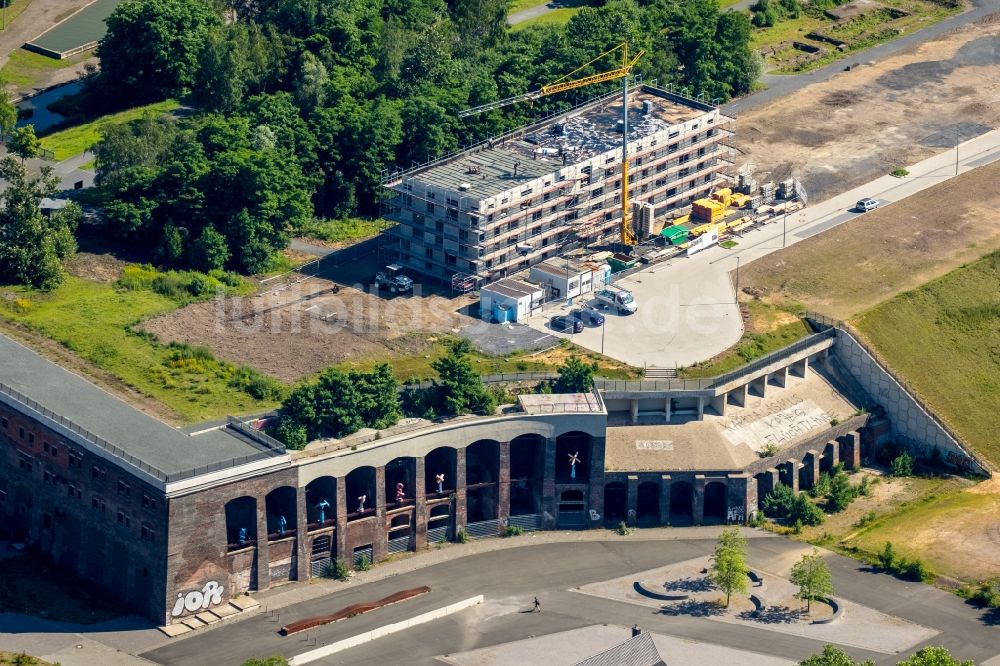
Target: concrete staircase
234,607
652,372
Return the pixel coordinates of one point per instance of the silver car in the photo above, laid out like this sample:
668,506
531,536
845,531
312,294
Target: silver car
866,205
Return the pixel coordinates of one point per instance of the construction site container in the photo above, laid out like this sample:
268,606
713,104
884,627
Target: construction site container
620,262
675,235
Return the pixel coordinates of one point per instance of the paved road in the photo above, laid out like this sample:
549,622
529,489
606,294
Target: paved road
687,306
509,579
535,12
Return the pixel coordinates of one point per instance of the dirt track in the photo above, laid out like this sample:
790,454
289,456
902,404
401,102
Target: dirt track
861,124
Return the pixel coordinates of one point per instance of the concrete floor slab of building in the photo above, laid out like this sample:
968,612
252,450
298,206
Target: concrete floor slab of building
783,417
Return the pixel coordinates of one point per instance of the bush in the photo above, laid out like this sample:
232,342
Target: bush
899,173
987,594
338,569
258,386
902,465
866,519
914,570
865,487
462,536
291,433
768,450
364,563
757,519
841,492
512,531
778,502
887,558
623,529
805,511
821,487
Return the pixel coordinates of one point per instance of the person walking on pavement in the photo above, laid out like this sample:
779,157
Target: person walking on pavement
538,606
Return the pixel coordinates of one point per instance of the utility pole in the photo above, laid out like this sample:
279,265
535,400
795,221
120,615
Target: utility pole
956,159
784,225
604,321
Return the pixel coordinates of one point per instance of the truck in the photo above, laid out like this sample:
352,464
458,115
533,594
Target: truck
619,299
392,278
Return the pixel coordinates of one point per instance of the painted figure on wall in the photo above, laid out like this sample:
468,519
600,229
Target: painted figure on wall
243,536
574,458
440,481
322,506
282,523
361,503
400,492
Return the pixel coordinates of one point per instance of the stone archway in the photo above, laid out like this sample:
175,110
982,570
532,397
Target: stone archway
681,503
482,474
715,502
648,503
615,502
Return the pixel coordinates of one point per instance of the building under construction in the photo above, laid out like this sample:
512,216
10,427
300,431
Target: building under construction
497,208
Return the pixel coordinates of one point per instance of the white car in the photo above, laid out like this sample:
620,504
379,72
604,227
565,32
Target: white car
866,205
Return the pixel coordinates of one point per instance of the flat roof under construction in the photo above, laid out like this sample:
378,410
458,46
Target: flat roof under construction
540,149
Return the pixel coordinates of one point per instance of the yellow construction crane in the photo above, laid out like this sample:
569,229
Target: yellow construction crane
565,83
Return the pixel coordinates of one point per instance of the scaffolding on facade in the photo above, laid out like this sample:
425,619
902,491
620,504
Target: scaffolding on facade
463,283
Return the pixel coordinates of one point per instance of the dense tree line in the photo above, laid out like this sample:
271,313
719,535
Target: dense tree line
305,102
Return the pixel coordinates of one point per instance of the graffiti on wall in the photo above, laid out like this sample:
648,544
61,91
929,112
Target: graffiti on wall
734,514
781,427
198,600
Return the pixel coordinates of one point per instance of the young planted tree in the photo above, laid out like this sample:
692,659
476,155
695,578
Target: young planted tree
460,389
729,568
575,376
812,576
933,656
833,656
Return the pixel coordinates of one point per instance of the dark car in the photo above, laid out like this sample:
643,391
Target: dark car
565,324
589,316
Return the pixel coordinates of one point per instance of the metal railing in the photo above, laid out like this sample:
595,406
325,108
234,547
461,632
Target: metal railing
705,383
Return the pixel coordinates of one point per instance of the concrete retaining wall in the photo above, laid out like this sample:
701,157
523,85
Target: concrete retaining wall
912,425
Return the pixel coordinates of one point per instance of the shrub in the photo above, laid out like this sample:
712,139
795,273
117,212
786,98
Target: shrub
902,465
757,519
364,563
887,558
914,570
866,519
338,569
805,511
899,173
797,527
987,594
462,536
512,531
865,487
821,487
841,492
293,434
258,386
768,450
778,502
623,529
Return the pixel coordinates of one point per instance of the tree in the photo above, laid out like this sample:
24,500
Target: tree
24,143
841,492
887,558
933,656
902,465
803,509
833,656
812,576
729,569
151,48
32,245
210,251
459,388
8,113
575,376
220,81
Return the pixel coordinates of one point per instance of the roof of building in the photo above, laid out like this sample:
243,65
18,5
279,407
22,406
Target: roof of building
560,268
512,288
639,650
545,147
560,403
71,399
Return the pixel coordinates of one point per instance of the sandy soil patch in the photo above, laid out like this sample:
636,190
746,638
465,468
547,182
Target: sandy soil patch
293,330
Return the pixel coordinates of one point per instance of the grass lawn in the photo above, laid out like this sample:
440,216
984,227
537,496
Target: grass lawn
21,659
92,320
14,10
33,586
944,339
941,521
555,17
770,329
26,69
75,140
521,5
418,367
341,232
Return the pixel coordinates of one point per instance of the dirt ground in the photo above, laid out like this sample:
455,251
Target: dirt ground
296,328
869,259
879,116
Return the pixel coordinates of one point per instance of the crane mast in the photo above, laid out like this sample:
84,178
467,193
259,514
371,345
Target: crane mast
564,83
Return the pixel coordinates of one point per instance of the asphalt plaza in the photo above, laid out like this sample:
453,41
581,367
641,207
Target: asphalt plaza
509,578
